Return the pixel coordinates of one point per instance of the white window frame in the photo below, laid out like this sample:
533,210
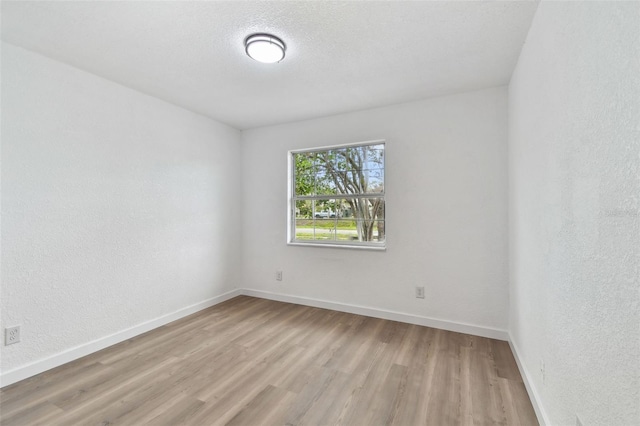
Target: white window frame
291,206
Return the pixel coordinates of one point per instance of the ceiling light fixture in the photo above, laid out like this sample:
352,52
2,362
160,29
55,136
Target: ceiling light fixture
265,48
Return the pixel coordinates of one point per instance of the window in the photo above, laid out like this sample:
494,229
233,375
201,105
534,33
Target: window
337,196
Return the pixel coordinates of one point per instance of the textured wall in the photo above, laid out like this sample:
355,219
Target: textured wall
574,194
446,211
117,208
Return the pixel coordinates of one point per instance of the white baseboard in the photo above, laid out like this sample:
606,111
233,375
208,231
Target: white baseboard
531,389
69,355
37,367
492,333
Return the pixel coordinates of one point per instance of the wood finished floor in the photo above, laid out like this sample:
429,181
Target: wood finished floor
252,361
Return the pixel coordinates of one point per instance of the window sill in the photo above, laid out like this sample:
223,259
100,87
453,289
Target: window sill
340,246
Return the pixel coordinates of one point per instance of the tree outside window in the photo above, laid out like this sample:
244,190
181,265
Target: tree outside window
338,195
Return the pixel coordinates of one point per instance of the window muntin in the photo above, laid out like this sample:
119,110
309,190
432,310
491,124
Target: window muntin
337,195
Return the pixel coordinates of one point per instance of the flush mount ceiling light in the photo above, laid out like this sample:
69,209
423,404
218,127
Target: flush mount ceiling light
265,48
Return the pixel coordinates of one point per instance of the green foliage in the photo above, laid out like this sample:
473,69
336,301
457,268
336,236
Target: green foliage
355,171
304,176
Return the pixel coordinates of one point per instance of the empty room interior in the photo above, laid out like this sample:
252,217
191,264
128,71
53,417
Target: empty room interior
195,227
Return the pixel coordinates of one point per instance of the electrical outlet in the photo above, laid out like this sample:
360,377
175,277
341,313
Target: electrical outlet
420,292
11,335
278,275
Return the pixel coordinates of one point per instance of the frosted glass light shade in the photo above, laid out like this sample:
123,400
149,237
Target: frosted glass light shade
265,48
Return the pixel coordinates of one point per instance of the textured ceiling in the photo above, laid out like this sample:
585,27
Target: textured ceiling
341,56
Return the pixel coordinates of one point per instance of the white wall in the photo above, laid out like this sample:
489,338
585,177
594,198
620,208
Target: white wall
574,194
117,208
446,182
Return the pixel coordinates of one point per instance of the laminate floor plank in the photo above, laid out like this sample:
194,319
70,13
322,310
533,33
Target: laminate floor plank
269,407
411,407
24,397
180,411
386,400
486,399
504,360
36,415
444,396
232,396
117,391
515,397
466,387
324,407
251,361
311,394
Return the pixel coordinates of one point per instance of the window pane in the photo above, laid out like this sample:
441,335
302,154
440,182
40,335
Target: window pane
379,206
357,157
304,229
325,229
375,159
303,174
370,230
374,179
304,209
368,208
346,230
325,183
343,209
351,182
341,181
324,209
340,162
380,231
